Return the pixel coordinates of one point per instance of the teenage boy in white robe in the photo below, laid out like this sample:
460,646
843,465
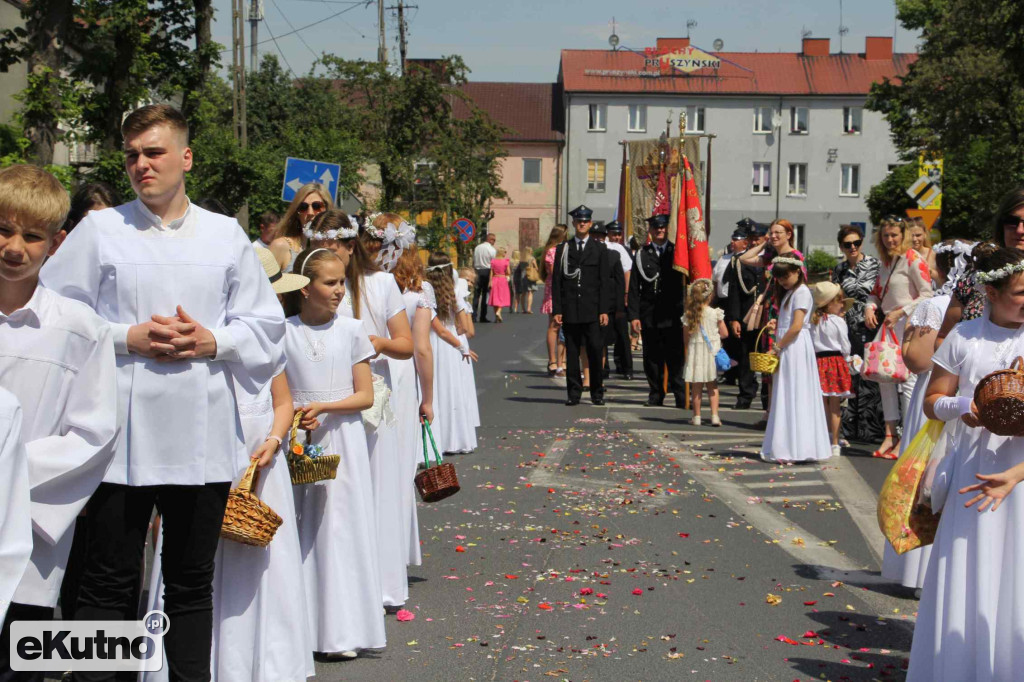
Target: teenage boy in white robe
187,300
15,523
57,358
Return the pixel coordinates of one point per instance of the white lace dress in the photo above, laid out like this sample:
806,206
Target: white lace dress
700,360
337,529
909,568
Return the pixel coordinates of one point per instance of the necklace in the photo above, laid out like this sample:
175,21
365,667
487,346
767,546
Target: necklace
316,349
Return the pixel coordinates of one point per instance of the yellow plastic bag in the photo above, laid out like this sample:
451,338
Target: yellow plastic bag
906,524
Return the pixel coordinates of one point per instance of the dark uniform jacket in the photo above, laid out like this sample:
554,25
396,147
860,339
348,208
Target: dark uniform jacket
585,298
660,303
617,282
742,278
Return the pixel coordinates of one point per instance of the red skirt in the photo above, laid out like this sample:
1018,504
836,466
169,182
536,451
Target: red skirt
834,375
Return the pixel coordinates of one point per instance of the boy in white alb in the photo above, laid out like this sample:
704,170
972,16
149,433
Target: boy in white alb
187,299
57,358
15,523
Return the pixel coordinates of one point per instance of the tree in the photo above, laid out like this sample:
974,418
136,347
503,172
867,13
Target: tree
962,100
889,197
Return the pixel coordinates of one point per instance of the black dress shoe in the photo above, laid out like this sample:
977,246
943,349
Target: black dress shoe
572,401
483,321
681,401
742,405
628,376
597,401
654,402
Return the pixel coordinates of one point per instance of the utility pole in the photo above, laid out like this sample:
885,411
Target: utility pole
238,87
234,68
255,17
402,42
382,50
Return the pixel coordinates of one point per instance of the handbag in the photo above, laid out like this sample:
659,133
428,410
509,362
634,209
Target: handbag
883,360
532,273
437,483
722,360
905,523
752,320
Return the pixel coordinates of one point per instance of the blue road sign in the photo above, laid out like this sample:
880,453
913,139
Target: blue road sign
297,172
465,229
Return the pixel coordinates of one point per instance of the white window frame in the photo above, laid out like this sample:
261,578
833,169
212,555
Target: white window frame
794,118
696,118
798,237
852,116
540,172
800,170
597,118
763,120
597,186
854,172
765,169
640,125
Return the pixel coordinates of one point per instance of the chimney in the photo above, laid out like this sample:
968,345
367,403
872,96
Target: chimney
816,47
878,48
672,44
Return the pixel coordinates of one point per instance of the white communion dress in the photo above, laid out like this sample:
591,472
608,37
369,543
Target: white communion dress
337,531
796,421
970,623
454,430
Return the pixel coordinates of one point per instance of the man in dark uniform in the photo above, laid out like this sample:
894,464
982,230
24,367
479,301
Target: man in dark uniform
617,298
746,283
579,300
656,306
620,324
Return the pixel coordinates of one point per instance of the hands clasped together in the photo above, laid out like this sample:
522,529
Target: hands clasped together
170,339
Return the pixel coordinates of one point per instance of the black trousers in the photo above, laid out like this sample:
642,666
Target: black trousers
117,520
663,346
15,612
589,335
483,280
623,347
747,379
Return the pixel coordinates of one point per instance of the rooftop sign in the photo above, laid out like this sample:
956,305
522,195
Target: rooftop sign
686,59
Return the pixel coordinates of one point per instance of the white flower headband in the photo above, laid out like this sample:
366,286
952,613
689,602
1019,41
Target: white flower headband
786,260
439,267
396,241
963,251
350,232
1001,273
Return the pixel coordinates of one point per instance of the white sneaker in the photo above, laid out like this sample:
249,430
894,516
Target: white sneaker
715,421
695,420
837,451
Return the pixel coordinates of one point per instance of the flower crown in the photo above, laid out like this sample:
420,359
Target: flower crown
1001,273
350,232
786,260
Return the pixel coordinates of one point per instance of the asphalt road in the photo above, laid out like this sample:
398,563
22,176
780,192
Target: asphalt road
622,543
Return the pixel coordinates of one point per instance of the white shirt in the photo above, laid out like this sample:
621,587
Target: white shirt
462,296
259,243
830,335
127,266
581,243
15,523
57,358
482,256
624,257
718,275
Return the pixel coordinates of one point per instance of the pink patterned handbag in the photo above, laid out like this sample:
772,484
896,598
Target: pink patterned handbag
883,361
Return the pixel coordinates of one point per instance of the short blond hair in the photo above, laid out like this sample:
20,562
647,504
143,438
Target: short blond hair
28,194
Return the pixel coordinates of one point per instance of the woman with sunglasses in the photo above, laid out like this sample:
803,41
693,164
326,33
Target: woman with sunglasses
856,274
311,200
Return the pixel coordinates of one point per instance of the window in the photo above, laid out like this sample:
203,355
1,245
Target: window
798,237
531,171
853,120
423,173
850,180
798,120
891,167
762,178
637,118
797,180
762,119
694,119
595,175
597,116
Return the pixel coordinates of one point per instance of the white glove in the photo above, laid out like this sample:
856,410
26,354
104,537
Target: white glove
949,408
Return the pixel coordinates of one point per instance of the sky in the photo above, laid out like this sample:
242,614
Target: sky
520,40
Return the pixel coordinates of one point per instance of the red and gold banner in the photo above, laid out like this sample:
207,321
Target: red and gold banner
692,257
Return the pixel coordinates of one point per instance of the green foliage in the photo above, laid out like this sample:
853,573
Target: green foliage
889,197
820,261
963,100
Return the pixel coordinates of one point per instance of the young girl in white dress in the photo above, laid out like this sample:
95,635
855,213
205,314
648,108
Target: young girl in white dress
831,339
467,330
373,297
970,624
703,331
454,428
330,379
919,339
794,433
260,624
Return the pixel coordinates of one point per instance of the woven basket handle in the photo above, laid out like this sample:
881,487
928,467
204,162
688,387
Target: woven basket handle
293,438
1018,364
757,344
250,478
425,428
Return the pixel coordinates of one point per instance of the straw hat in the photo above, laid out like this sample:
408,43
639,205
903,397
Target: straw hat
281,282
826,292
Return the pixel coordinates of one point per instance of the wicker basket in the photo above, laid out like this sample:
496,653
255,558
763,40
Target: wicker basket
1000,400
766,363
247,519
303,468
439,482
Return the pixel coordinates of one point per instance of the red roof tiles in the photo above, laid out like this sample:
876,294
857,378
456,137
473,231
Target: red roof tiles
747,73
532,111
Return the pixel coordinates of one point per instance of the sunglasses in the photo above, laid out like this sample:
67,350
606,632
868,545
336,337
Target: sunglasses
852,244
1012,223
316,206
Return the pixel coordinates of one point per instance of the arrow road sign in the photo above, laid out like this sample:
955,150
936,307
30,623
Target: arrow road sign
297,172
